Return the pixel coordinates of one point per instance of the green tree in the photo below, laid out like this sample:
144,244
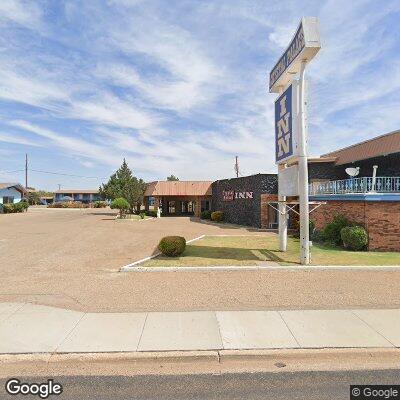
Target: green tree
33,198
172,178
120,204
123,184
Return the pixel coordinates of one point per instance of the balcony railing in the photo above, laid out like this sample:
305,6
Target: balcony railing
382,184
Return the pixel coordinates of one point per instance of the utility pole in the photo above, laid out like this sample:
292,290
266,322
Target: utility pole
237,166
26,171
59,186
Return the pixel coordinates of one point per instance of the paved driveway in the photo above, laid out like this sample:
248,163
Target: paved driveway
70,259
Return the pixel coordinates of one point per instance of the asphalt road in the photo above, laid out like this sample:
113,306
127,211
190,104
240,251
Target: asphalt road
271,386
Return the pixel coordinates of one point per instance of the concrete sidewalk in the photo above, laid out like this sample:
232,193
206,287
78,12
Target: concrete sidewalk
28,328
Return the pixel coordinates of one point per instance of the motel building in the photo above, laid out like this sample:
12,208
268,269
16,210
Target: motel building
178,197
83,195
367,198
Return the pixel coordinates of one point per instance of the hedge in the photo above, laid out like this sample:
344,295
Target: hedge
331,232
205,214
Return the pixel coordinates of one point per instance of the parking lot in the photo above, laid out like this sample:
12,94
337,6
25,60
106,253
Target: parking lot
71,259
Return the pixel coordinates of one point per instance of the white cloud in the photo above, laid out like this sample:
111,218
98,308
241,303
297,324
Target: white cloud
7,138
25,13
72,145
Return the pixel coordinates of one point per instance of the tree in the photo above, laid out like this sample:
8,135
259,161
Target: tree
123,184
172,178
33,198
120,204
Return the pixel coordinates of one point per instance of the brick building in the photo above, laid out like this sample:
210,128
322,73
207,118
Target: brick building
245,200
178,197
372,203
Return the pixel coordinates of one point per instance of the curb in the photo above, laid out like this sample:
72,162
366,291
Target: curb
135,268
199,362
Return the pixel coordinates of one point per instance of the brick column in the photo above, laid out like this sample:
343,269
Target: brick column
265,198
197,210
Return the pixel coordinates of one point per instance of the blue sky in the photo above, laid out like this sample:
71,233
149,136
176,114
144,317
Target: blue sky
181,86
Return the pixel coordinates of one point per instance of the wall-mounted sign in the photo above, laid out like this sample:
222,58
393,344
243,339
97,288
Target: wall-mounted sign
303,47
285,124
230,195
288,181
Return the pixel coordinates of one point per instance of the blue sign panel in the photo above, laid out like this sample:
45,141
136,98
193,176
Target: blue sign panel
284,146
296,46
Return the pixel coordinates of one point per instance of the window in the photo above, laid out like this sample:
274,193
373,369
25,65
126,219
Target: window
171,207
205,205
8,199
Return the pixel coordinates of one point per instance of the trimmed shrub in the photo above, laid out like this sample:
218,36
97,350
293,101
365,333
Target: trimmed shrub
332,230
68,204
172,246
20,207
151,213
317,236
15,207
217,216
354,237
100,204
120,204
8,208
142,215
205,214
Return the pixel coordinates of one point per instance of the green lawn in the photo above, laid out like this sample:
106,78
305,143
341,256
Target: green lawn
252,250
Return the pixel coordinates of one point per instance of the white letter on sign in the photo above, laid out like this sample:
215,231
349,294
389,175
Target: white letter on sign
283,106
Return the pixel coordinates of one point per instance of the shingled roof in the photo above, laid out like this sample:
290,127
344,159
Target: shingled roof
375,147
179,188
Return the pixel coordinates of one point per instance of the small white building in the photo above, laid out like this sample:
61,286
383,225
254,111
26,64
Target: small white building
11,193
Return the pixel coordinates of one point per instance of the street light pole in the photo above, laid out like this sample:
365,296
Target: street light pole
303,173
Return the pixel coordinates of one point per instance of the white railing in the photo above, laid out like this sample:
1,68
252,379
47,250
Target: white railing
382,184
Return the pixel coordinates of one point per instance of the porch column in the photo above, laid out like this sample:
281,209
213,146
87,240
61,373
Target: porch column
197,210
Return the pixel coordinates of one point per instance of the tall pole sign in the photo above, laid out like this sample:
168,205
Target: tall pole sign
288,79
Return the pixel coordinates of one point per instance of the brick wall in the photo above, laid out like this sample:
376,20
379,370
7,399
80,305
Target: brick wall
243,211
383,224
265,198
380,219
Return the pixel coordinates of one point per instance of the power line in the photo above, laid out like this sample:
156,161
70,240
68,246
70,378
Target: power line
63,174
10,172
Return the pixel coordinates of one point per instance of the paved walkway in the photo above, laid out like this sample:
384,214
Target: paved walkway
28,328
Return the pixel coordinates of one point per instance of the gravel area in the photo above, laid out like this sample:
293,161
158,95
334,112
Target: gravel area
71,258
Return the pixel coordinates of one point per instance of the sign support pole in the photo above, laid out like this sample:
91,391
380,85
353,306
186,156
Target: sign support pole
303,173
282,220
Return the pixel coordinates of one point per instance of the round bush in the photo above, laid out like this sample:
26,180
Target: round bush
217,216
205,214
332,230
172,246
354,237
120,204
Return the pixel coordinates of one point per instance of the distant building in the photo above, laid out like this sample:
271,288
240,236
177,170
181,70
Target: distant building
11,193
83,195
179,197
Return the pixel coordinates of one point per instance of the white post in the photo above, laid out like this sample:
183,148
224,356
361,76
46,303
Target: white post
303,174
282,219
375,167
